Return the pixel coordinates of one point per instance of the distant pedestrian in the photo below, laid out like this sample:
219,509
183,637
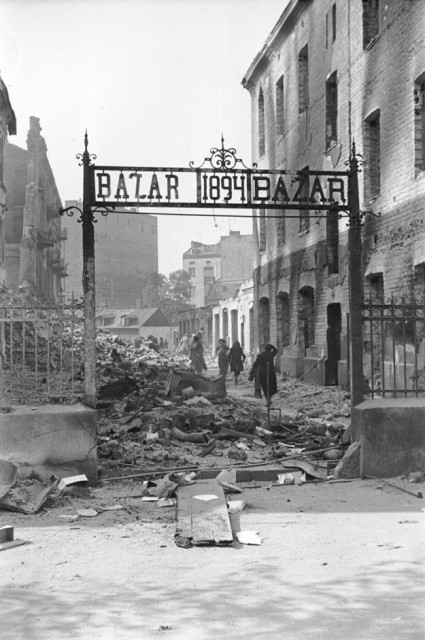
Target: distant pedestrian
264,373
166,343
161,343
183,346
197,355
223,357
236,359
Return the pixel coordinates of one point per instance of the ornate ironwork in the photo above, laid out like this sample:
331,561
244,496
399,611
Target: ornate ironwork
222,159
103,210
86,158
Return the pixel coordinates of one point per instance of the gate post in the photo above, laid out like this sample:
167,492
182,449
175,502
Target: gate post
89,281
355,283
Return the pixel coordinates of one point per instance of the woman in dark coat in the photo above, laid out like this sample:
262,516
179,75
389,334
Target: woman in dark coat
223,359
197,355
263,370
236,359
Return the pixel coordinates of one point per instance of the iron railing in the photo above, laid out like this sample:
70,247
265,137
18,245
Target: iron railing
41,350
394,347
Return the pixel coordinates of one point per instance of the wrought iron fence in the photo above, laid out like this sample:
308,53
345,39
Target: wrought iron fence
394,347
41,350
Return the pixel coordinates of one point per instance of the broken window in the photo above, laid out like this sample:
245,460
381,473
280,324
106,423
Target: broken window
374,287
332,242
282,320
262,230
331,110
208,275
372,153
334,22
304,186
306,316
370,21
280,114
419,98
303,100
326,30
261,124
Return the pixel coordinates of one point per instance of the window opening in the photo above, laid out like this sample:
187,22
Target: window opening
372,150
280,96
303,98
370,21
419,115
261,124
331,110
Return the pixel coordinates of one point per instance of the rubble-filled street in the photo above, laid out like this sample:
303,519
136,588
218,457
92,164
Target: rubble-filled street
343,554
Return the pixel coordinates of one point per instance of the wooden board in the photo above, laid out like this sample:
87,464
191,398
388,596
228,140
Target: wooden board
202,522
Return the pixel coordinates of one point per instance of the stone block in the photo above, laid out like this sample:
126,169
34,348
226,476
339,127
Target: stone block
45,439
392,436
349,466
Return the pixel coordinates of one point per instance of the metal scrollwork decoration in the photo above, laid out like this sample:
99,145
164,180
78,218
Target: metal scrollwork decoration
222,159
86,158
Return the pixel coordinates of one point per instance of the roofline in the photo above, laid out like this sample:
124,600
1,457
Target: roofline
280,31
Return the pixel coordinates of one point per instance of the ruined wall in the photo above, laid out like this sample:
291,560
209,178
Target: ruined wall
33,229
296,265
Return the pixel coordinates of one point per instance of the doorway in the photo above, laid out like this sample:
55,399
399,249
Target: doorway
333,337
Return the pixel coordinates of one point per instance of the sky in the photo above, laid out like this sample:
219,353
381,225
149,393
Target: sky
154,82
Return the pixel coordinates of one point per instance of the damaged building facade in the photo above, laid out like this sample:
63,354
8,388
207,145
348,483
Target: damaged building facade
33,231
7,127
323,79
216,272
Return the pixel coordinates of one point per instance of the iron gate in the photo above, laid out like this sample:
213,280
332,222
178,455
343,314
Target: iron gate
41,350
394,347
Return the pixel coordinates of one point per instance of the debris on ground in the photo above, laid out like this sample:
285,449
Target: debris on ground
7,538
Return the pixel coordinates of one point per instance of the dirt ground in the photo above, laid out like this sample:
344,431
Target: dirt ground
337,560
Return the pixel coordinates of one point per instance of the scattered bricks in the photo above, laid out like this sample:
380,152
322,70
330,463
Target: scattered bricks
166,423
349,466
179,421
200,421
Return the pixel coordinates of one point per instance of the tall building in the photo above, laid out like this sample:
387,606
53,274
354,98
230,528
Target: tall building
330,73
7,127
126,251
230,259
33,229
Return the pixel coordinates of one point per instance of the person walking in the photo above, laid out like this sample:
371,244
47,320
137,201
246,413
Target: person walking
236,359
264,373
197,355
223,357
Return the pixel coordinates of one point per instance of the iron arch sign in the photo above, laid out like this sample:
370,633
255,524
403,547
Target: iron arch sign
222,182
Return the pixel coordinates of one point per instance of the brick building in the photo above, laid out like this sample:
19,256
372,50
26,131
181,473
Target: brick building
126,251
33,227
329,73
7,127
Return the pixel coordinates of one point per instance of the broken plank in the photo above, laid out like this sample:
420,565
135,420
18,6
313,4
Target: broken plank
317,469
202,522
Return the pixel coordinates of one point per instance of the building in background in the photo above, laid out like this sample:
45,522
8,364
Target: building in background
33,231
7,128
230,258
126,252
217,272
326,76
134,323
233,318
